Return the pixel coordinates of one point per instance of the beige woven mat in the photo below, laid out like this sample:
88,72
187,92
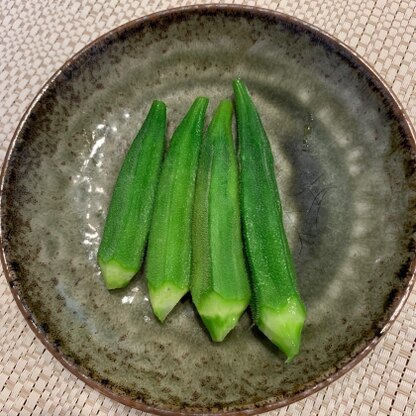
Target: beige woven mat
38,36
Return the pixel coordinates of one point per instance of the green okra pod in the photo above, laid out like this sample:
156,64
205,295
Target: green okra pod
120,254
277,307
220,288
168,265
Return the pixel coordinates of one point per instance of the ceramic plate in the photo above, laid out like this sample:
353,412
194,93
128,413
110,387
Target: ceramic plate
345,162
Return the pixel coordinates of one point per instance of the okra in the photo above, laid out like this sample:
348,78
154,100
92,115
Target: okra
219,285
120,254
168,264
277,307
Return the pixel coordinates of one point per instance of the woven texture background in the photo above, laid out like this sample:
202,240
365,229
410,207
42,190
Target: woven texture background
37,37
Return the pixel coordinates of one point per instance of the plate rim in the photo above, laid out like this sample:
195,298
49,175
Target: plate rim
249,11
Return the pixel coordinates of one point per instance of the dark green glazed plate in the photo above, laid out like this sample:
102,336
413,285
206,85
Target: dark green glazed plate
345,163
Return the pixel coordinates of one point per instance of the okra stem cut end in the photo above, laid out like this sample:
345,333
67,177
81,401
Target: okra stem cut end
115,276
164,298
284,326
220,315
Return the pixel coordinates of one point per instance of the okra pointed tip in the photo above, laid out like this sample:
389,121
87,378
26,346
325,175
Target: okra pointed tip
158,105
238,83
202,99
201,102
242,98
221,120
225,107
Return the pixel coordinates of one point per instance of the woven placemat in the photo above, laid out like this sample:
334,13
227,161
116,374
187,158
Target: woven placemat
38,36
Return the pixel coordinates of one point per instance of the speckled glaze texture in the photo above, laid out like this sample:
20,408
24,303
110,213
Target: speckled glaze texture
345,164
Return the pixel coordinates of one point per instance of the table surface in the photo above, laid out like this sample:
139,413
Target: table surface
37,37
